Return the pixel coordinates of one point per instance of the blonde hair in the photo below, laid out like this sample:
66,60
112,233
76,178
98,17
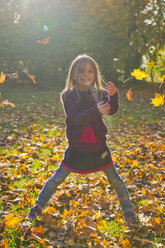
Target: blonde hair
77,64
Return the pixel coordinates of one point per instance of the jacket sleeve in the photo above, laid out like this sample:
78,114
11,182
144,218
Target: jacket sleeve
113,101
72,112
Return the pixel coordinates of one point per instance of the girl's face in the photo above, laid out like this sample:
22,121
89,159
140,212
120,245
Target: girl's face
85,77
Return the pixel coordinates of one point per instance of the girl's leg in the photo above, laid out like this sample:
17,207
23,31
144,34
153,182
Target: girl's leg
120,188
51,185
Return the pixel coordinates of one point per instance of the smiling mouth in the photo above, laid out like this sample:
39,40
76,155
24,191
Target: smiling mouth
85,80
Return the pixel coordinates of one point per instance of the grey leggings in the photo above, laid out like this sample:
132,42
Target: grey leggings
61,173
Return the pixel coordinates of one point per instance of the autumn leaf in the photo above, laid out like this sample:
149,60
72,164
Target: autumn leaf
158,100
11,220
124,243
38,230
138,74
2,78
151,63
33,78
6,103
163,77
26,71
105,243
13,75
4,243
44,42
49,210
129,95
101,224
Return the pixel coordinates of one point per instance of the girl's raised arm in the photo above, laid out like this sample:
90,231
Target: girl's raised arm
112,100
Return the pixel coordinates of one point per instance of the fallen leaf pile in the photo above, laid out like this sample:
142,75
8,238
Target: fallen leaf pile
84,211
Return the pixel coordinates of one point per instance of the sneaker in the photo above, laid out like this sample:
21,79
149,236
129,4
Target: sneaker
130,217
34,212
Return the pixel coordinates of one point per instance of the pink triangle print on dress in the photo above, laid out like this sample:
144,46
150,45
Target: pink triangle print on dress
88,136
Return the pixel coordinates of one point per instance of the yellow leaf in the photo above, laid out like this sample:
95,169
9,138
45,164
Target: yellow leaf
38,230
144,191
24,155
11,220
157,220
129,95
49,210
101,224
138,74
135,163
55,157
104,242
125,243
67,213
158,100
2,78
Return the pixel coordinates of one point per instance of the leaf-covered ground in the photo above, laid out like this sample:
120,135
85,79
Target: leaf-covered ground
84,211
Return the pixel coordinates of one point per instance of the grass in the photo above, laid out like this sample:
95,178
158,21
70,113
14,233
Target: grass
38,116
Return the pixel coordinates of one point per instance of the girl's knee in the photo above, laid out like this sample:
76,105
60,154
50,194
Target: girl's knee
117,182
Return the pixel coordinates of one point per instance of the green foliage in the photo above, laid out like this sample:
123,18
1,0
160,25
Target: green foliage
116,35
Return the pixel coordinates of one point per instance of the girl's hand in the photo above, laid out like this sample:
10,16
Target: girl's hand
104,108
110,88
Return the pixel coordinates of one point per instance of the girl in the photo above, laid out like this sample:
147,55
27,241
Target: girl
85,102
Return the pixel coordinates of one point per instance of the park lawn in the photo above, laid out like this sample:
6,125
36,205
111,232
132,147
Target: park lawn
84,212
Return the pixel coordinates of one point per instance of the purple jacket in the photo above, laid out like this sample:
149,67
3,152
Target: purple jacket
81,111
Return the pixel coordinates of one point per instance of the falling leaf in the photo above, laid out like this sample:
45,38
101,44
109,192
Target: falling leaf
2,78
158,100
129,95
33,78
13,75
26,71
44,42
6,103
138,74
